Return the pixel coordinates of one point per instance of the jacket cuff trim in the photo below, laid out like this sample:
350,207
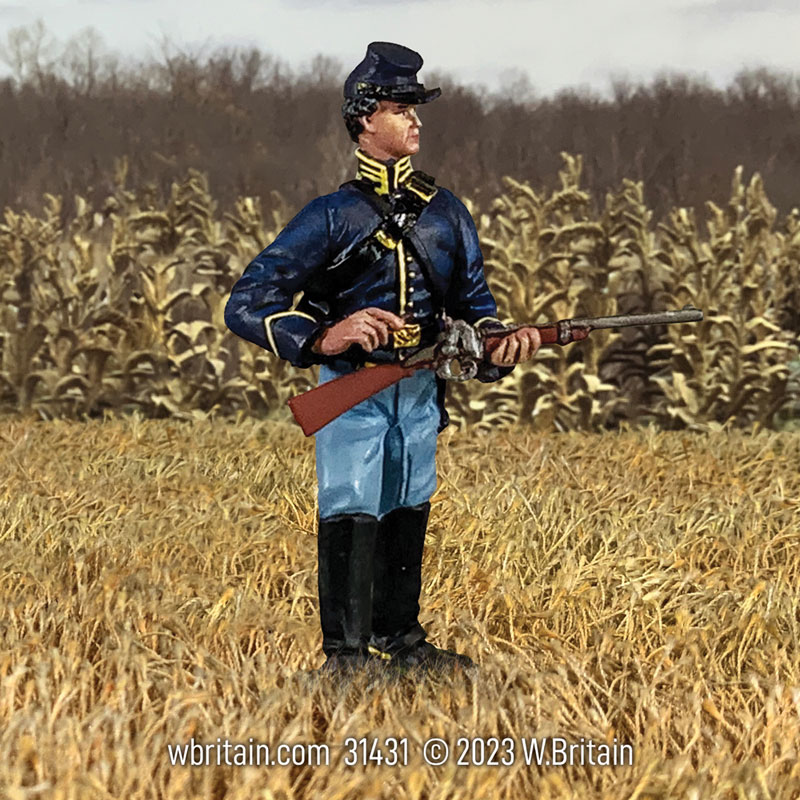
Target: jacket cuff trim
273,317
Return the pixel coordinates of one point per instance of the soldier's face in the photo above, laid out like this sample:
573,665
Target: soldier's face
393,130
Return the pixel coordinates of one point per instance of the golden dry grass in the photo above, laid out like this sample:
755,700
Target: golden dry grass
159,581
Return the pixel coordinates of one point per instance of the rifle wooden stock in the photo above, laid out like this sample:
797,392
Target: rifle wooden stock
317,407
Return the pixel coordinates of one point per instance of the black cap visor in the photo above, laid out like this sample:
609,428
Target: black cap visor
413,95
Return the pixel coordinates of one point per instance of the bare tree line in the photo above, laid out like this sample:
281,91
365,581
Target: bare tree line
257,127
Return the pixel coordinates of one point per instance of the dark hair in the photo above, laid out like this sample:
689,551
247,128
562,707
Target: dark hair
355,107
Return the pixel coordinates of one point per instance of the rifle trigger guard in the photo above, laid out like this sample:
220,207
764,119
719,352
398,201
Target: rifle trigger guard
459,342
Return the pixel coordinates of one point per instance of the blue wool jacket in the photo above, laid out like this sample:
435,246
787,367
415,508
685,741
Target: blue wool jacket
450,277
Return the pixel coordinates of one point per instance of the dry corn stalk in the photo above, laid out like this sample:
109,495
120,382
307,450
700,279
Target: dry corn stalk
734,365
122,309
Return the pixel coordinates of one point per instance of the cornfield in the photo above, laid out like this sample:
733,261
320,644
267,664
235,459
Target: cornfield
121,308
160,588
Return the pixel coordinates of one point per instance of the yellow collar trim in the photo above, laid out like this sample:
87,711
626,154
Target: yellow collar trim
386,178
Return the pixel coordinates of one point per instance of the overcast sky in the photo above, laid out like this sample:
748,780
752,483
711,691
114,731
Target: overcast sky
569,43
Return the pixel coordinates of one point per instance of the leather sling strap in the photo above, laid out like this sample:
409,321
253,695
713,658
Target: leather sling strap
384,238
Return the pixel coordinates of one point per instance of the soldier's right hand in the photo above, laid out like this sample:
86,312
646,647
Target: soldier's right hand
368,327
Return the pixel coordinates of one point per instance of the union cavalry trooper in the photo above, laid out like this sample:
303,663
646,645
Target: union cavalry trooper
379,263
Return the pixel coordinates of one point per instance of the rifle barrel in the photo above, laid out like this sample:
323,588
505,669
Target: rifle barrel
686,314
626,320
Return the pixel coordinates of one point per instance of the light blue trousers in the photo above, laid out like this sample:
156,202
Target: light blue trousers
381,454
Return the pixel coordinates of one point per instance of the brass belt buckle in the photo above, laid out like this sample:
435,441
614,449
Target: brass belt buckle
407,336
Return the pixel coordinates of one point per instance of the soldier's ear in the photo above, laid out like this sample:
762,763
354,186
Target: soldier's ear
366,122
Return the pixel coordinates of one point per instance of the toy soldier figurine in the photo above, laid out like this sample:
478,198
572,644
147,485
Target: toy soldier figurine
379,263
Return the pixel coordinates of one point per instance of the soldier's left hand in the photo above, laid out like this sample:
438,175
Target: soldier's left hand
516,347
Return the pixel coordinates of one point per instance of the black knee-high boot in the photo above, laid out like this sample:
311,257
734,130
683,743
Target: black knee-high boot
397,585
398,578
346,550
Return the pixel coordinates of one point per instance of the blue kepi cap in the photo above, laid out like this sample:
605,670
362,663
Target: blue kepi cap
389,72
